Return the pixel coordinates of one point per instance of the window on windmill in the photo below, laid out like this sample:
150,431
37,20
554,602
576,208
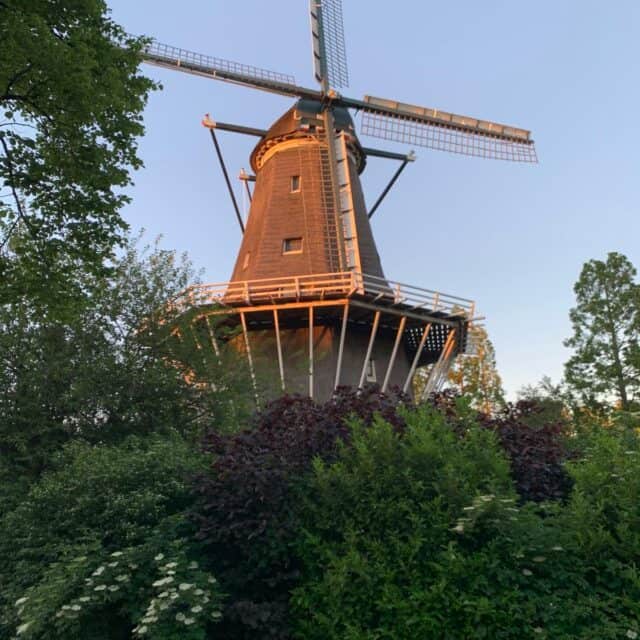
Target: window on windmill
247,257
295,184
292,245
371,371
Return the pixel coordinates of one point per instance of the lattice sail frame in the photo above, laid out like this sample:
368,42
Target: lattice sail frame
182,59
329,51
334,43
443,137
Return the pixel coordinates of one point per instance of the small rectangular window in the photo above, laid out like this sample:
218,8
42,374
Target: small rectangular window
292,245
247,257
295,184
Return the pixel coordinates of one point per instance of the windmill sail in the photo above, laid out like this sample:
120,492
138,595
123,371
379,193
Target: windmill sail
327,35
170,57
443,131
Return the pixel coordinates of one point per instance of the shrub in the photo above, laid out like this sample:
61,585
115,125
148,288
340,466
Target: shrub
537,448
378,521
419,535
537,452
85,554
246,515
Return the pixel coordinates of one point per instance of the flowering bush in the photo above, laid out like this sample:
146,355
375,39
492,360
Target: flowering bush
78,598
102,549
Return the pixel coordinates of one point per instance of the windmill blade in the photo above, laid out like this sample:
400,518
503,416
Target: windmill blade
327,36
168,57
391,120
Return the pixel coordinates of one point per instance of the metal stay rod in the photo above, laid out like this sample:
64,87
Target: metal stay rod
226,177
414,364
260,133
392,359
367,357
388,155
396,175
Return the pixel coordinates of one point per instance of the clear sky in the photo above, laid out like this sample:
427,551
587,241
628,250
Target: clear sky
513,237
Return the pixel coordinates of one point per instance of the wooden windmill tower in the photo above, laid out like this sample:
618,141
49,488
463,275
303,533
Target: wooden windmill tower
308,295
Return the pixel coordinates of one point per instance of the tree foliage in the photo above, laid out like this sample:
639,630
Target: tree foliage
606,333
476,376
106,371
536,442
555,402
71,100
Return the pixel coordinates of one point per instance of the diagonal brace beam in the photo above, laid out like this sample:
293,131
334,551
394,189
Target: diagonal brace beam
409,158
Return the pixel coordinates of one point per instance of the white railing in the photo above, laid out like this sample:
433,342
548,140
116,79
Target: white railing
324,286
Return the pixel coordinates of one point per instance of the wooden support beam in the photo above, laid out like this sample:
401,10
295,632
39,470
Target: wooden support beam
212,337
392,359
252,372
425,317
367,357
439,367
199,349
276,325
311,352
343,332
338,302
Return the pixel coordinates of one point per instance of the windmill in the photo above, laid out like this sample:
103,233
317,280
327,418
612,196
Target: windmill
312,307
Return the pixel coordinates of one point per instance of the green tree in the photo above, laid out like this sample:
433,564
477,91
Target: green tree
606,333
553,402
109,370
71,100
476,375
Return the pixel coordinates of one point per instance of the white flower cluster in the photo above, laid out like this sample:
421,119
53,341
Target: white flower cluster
183,594
107,579
183,602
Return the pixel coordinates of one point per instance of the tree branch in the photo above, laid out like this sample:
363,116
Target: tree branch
16,77
10,97
21,213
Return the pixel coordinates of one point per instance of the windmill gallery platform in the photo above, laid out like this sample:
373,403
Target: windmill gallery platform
308,304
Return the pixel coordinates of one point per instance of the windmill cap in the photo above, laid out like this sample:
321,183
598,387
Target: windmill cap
302,121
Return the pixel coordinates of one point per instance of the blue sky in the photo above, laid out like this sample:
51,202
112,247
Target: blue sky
513,237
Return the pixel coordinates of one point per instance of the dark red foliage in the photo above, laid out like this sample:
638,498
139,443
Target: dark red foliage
245,515
537,452
537,449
